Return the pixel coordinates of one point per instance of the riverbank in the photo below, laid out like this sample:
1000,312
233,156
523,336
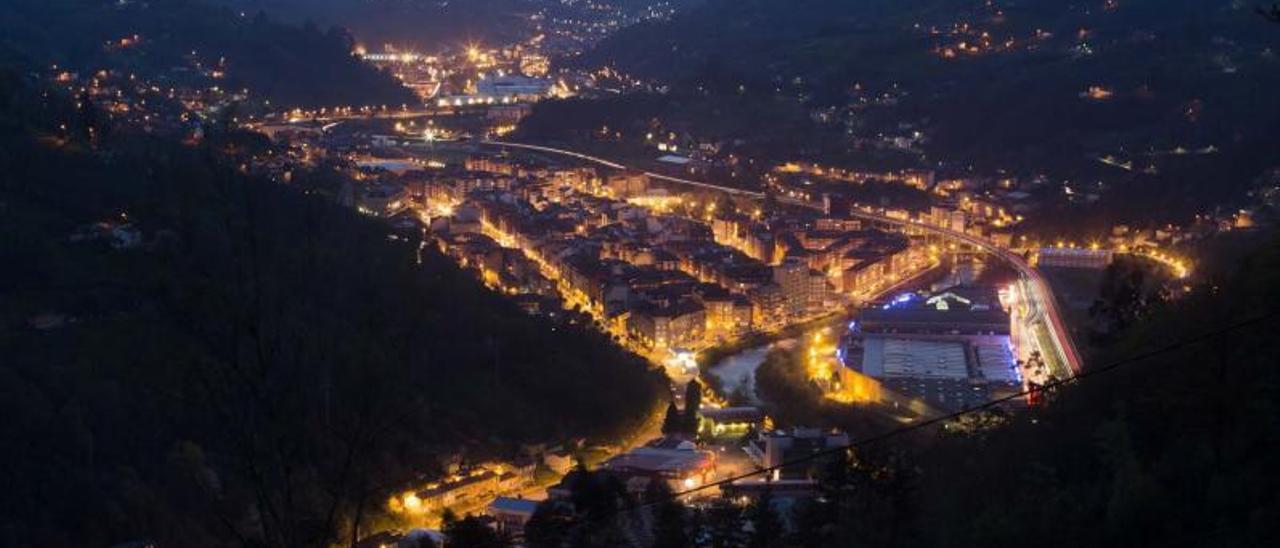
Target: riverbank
713,359
754,346
792,399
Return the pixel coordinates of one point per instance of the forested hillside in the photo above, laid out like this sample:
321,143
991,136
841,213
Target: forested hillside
289,65
422,24
1180,92
434,24
195,357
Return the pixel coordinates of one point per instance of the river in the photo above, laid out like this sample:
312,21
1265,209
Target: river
737,373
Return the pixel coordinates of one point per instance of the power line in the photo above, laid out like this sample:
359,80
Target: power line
1171,347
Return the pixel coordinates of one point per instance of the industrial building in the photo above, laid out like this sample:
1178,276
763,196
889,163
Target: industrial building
951,350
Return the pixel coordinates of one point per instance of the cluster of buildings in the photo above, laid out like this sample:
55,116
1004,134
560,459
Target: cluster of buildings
462,486
174,102
659,281
495,487
981,206
679,464
471,75
825,258
732,441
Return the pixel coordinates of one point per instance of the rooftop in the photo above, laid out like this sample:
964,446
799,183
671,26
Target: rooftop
887,357
660,460
733,414
513,505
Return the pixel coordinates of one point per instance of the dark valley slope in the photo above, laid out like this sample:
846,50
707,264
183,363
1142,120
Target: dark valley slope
198,358
293,65
999,85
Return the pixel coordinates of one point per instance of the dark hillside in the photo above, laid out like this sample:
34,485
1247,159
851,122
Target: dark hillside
257,366
302,65
1183,90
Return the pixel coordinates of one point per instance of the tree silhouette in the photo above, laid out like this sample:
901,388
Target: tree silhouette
673,422
692,405
470,532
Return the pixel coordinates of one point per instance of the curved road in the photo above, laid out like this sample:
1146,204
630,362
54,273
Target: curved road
615,165
1040,294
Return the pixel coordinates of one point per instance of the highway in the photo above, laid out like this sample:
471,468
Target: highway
288,118
1042,302
615,165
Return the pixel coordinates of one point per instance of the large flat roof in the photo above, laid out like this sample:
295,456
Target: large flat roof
996,362
889,357
649,459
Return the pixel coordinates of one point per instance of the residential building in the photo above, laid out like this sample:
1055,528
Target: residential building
1066,257
656,327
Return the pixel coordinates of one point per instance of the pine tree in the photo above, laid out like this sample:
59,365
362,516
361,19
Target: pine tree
672,423
692,404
